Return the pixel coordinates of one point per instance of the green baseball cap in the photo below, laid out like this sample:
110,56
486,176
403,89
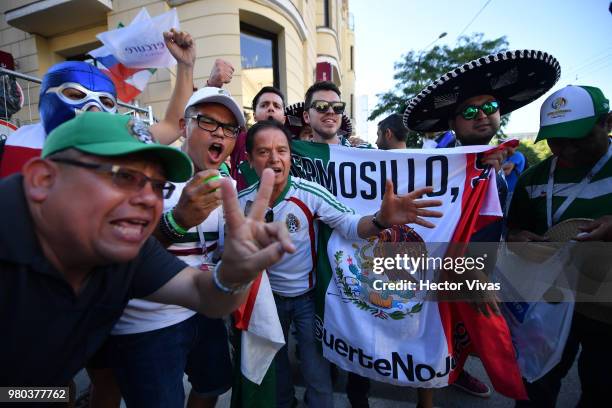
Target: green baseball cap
571,112
109,135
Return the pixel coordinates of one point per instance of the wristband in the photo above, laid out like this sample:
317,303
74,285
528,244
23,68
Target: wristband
224,289
174,224
376,223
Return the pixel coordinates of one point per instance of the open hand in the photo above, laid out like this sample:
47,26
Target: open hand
407,209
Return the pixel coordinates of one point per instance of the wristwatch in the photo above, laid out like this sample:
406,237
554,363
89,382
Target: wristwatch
376,223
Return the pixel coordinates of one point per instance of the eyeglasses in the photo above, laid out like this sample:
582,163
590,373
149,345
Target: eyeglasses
323,106
471,111
123,178
211,125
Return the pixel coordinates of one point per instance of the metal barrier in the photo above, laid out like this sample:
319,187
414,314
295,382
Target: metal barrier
128,109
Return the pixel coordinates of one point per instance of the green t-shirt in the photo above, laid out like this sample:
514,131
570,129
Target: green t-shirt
528,207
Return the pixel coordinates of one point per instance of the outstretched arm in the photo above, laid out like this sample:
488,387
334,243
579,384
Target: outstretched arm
251,246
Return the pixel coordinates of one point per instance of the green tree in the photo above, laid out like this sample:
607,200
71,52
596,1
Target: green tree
534,152
417,69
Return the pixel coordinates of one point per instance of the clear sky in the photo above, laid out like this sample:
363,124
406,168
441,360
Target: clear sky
577,32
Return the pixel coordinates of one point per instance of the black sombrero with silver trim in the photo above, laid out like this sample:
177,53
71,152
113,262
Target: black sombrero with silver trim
514,78
295,120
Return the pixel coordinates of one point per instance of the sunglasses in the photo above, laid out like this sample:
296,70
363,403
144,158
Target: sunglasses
126,179
211,125
471,111
323,106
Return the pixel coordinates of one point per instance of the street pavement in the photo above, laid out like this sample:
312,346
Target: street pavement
389,396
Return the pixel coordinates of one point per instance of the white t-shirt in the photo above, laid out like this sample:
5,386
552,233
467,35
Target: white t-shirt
141,315
299,206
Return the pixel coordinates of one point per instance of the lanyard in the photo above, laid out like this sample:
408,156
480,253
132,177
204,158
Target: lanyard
202,243
550,218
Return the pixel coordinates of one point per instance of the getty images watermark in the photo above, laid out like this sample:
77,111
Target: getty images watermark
412,265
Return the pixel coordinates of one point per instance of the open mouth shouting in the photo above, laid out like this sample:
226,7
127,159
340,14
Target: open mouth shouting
215,152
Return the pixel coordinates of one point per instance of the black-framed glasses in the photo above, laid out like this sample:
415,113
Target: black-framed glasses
323,106
127,179
471,111
211,125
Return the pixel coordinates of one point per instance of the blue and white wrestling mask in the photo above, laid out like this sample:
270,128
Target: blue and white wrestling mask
71,87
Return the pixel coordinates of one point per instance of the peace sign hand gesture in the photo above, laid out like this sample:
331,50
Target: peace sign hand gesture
251,245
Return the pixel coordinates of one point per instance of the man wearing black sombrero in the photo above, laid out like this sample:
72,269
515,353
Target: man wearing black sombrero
470,100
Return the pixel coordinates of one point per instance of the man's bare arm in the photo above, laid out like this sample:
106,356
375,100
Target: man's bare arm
251,246
182,47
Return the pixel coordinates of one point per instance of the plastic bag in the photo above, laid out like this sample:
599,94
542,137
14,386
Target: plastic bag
539,326
141,44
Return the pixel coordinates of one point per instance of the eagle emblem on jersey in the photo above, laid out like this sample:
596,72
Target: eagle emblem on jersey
293,223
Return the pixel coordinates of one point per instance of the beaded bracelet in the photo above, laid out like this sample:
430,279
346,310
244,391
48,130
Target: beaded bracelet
166,228
224,289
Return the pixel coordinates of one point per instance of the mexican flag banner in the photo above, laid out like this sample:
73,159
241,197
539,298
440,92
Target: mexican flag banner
398,334
261,336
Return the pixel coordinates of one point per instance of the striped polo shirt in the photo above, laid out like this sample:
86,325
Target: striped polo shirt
528,207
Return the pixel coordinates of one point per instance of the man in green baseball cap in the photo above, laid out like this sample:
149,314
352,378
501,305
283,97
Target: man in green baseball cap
575,183
98,134
572,112
76,246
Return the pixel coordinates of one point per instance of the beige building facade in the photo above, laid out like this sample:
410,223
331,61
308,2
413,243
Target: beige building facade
287,43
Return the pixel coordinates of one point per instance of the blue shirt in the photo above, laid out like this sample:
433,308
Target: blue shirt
519,165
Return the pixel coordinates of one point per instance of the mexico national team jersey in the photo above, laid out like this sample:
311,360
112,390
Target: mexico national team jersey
299,206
